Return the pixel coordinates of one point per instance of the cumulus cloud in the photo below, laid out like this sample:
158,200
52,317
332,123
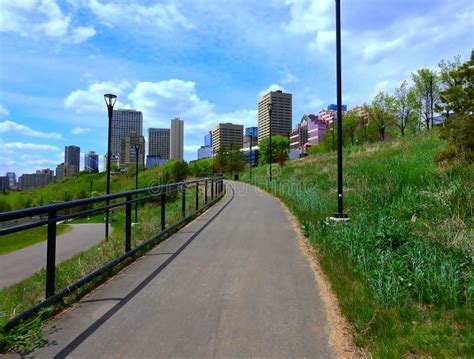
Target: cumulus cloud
272,87
41,17
309,16
27,146
80,130
3,111
13,127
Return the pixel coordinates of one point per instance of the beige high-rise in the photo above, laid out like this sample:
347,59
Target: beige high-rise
159,142
177,139
281,114
227,135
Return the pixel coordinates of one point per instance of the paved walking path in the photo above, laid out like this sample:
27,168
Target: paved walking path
233,283
25,262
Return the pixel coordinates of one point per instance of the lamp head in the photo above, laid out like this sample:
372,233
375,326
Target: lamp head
110,99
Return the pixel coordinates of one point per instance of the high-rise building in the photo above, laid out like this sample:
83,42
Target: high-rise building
64,171
204,152
12,179
152,161
114,162
72,156
30,180
208,139
159,142
177,139
227,135
91,162
251,131
4,183
48,172
128,153
281,114
124,122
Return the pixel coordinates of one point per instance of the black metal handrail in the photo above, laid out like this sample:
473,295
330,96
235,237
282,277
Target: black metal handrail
130,197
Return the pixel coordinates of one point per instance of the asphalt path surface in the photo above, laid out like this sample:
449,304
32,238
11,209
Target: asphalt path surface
25,262
233,283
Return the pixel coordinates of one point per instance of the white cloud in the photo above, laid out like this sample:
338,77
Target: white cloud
162,16
13,127
27,146
80,130
30,18
289,78
92,99
309,16
272,87
3,111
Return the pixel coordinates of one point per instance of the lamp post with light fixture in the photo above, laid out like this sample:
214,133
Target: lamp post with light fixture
110,100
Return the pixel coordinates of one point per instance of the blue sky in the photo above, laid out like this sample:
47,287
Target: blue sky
205,61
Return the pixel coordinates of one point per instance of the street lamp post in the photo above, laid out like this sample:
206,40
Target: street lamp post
250,157
137,151
340,204
269,106
110,102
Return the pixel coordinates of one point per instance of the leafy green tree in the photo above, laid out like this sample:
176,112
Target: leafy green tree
229,161
350,122
458,98
278,143
382,113
405,106
200,167
426,87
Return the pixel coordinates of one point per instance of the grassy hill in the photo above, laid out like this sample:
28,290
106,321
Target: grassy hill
402,266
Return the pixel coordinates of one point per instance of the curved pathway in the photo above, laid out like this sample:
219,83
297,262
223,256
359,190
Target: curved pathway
25,262
233,283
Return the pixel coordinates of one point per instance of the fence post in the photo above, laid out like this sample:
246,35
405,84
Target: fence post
183,201
163,208
51,254
128,224
197,196
212,189
205,191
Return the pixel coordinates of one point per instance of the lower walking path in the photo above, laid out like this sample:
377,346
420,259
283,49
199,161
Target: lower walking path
233,283
25,262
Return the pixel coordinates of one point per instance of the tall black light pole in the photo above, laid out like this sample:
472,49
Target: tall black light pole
137,151
250,157
431,99
269,106
340,204
110,102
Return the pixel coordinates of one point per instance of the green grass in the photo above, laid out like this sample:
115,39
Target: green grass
402,266
14,241
27,293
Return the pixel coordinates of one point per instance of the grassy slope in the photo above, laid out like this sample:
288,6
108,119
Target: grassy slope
14,241
402,266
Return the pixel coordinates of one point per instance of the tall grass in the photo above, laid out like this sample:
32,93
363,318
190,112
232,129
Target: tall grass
408,243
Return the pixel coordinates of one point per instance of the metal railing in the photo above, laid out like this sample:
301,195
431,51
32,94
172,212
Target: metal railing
53,215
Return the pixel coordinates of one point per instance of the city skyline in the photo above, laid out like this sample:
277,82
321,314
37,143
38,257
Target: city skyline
55,97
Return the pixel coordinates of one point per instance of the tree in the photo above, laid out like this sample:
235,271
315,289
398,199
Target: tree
426,86
350,122
229,161
405,106
382,113
278,143
458,129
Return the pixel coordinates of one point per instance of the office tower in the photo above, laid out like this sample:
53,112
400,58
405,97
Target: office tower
159,142
208,139
31,180
124,122
12,179
4,183
281,114
176,139
64,170
204,152
128,154
91,162
227,135
251,131
48,172
72,156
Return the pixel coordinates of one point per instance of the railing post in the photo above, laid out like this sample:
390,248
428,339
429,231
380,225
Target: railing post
212,189
205,192
183,201
128,224
163,208
197,196
51,254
